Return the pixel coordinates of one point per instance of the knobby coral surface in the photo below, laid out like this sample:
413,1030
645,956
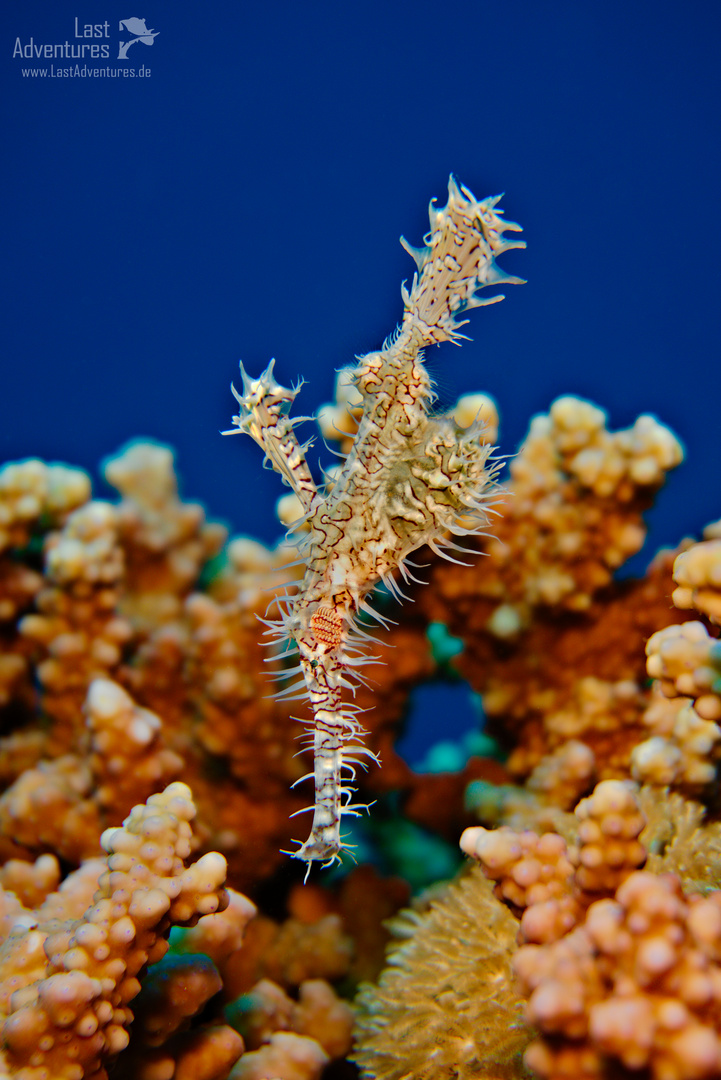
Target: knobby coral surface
617,963
115,688
130,667
618,966
68,969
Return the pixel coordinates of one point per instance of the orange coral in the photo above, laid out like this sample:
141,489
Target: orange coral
77,632
632,977
114,615
686,738
65,987
638,981
120,671
697,573
551,644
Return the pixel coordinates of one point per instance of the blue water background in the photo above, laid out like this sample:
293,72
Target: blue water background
245,201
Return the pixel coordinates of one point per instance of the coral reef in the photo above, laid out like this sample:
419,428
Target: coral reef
446,1005
617,963
68,979
133,686
698,575
118,683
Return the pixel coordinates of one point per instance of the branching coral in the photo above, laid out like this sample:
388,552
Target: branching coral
129,657
72,962
116,676
66,985
619,964
684,746
552,645
697,574
620,969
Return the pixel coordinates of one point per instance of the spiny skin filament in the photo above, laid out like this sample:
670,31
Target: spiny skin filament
409,479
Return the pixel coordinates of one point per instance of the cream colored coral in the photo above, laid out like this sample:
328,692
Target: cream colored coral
697,573
77,630
575,485
166,541
128,758
338,420
30,490
551,883
640,455
686,737
529,869
638,983
50,807
220,935
687,662
562,776
685,757
609,826
477,407
253,573
288,509
75,1017
286,1057
75,895
87,549
535,874
144,473
595,706
31,881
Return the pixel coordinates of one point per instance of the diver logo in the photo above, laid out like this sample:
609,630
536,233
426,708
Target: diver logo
140,31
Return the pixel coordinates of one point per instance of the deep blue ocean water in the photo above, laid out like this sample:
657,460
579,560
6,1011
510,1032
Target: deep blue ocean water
242,194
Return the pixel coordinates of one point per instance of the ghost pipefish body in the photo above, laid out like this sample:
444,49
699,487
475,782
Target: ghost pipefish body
409,479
